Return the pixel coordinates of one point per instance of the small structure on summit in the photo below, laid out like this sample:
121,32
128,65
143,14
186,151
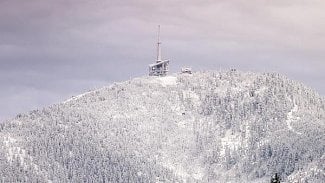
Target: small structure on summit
160,68
186,70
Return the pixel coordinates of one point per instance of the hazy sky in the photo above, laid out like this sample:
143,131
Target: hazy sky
53,49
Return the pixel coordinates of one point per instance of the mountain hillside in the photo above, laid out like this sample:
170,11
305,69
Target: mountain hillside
206,127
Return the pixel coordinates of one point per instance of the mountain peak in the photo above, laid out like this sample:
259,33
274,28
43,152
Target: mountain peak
203,127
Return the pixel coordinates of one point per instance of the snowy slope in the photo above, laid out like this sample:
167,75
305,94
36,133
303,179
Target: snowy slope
206,127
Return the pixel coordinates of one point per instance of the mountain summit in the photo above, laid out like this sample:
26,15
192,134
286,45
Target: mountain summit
205,127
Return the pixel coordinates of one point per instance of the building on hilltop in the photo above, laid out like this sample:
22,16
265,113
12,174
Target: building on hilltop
186,70
160,68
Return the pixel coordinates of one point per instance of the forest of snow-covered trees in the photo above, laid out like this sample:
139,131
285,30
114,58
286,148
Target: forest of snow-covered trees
207,127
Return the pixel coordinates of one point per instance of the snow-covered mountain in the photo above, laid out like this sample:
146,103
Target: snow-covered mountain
206,127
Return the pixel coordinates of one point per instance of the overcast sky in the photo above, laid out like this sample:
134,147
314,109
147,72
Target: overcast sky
53,49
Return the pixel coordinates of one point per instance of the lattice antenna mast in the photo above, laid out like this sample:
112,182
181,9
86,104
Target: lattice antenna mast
159,46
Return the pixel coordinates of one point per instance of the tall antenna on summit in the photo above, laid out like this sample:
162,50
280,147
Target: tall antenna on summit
158,46
160,68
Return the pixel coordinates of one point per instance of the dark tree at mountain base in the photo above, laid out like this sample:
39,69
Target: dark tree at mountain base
275,179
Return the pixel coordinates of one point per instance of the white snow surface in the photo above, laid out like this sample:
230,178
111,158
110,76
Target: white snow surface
291,118
168,80
230,141
73,98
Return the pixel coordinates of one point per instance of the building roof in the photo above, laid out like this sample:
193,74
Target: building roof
159,63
